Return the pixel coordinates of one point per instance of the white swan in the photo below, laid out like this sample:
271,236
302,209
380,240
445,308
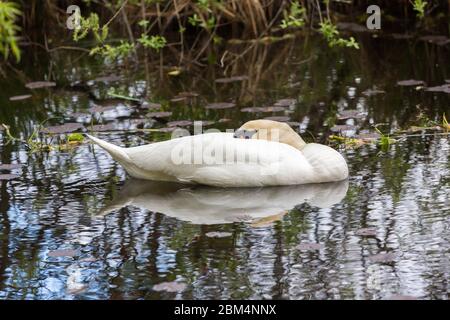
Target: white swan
272,154
205,205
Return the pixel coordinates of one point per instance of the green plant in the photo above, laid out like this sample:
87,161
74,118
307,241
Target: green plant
419,6
154,42
331,34
9,12
295,16
113,52
385,141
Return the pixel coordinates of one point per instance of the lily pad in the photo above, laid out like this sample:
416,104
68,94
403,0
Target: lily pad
372,92
173,286
40,84
350,114
309,246
285,102
100,109
231,79
410,83
383,257
218,234
9,166
151,105
437,39
64,128
368,136
366,232
8,176
21,97
180,123
280,119
442,88
251,109
63,253
103,127
223,120
178,99
220,105
161,114
342,127
187,94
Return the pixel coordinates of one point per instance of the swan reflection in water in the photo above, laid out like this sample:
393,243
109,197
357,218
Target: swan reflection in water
209,205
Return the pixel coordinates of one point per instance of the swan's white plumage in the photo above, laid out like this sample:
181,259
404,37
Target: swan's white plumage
219,159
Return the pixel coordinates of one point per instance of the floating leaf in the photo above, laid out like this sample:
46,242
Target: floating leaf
383,257
161,114
369,136
180,123
437,39
100,109
372,92
150,105
187,94
8,176
280,119
21,97
178,99
231,79
9,166
40,84
342,127
285,102
223,120
366,232
443,88
65,128
410,82
170,286
350,114
220,105
351,26
309,246
401,297
103,127
218,234
63,253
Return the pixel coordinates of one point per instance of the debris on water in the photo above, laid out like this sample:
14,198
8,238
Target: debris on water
64,128
220,105
9,166
173,286
442,88
21,97
8,176
410,83
231,79
383,257
40,84
280,119
309,246
350,114
218,234
366,232
63,253
161,114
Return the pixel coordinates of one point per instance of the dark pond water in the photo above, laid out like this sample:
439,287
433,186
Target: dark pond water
73,226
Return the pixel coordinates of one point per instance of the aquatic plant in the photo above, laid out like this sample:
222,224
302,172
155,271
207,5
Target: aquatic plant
419,7
9,12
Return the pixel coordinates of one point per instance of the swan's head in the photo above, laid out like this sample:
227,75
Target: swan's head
270,130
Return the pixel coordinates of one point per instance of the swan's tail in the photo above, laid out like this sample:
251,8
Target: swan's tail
118,153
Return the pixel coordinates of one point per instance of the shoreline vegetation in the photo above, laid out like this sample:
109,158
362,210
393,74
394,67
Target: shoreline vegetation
195,31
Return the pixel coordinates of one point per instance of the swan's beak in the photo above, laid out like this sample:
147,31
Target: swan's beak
244,134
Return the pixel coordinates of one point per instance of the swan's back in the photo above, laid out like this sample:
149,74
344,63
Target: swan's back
219,159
